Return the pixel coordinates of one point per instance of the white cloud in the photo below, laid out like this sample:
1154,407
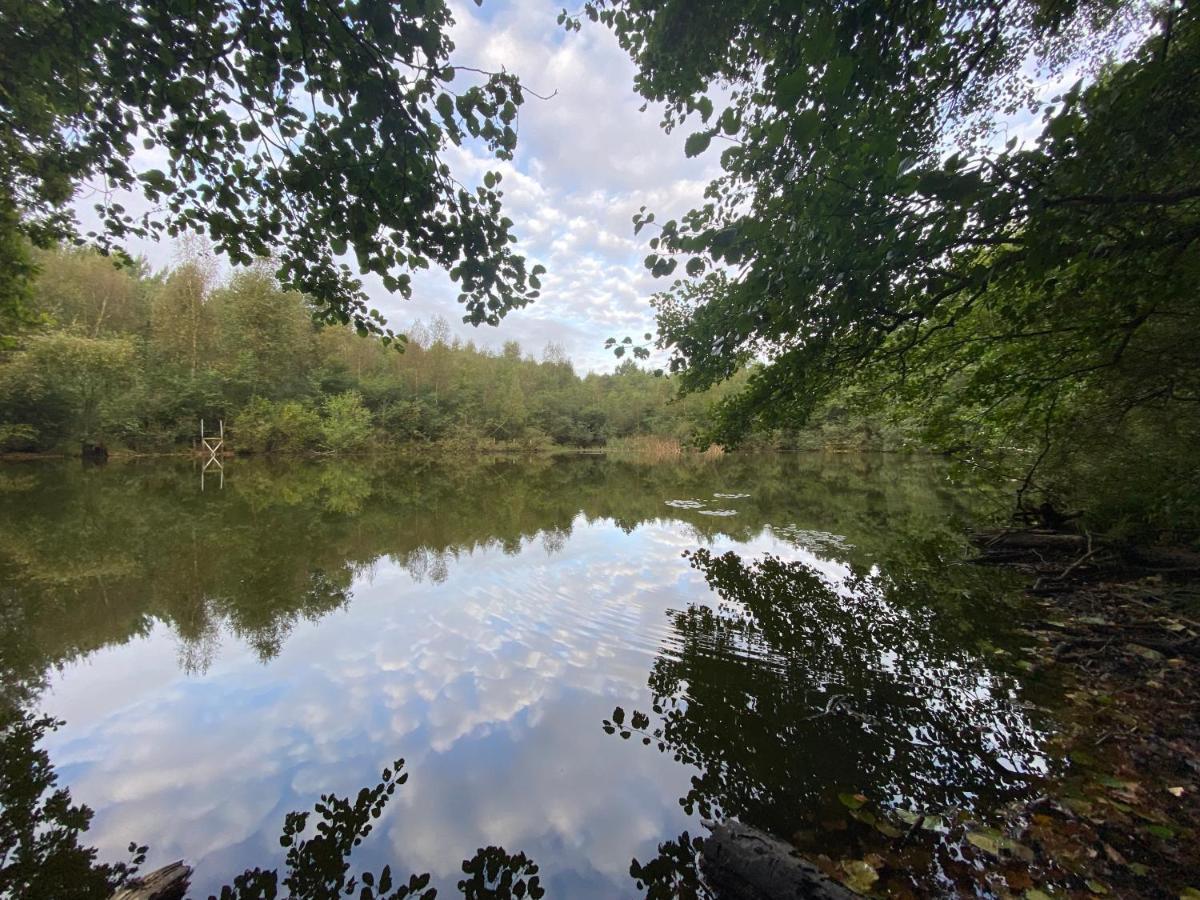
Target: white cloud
586,160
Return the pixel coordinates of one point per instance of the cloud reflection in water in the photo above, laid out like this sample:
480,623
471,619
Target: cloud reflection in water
489,665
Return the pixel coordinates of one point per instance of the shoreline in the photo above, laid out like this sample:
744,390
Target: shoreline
1114,633
1117,627
433,448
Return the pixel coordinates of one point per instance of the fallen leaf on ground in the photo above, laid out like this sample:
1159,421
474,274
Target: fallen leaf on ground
860,875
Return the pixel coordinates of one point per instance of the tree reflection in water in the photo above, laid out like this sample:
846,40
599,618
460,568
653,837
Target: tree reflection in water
800,685
40,852
42,857
867,675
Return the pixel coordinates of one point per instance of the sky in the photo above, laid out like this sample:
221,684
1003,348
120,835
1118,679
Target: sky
587,159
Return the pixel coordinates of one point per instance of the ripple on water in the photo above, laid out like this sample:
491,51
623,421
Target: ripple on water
685,504
811,539
578,615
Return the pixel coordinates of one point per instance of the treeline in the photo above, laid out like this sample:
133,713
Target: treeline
132,359
126,358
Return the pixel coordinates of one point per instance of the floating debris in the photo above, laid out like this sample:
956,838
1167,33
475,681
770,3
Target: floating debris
811,540
718,512
731,496
686,504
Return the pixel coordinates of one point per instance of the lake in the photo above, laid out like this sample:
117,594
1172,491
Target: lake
776,631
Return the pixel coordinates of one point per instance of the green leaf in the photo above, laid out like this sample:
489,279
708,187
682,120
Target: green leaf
790,86
863,815
860,875
1147,653
805,125
993,842
887,829
697,143
837,77
852,801
1062,126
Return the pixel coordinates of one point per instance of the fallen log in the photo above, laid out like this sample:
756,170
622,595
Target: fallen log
168,883
1029,540
743,863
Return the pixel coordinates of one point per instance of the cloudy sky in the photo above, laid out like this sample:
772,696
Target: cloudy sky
587,159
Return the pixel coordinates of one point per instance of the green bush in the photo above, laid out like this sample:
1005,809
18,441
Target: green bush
285,427
18,438
346,426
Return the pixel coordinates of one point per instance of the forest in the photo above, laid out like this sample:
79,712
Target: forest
133,359
1025,304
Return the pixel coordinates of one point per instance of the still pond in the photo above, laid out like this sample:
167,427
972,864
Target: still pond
776,631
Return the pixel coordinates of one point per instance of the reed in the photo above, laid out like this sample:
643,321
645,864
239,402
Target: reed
646,448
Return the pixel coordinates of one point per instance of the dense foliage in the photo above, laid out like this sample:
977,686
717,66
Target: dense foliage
300,131
874,221
130,359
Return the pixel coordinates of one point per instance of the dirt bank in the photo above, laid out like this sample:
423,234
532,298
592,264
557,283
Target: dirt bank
1120,628
1114,633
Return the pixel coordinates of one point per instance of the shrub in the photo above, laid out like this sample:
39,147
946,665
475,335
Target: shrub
347,423
266,427
18,438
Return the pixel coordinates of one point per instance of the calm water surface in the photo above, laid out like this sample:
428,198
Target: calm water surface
223,657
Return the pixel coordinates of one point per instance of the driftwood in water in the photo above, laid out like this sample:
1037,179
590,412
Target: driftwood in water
1029,540
168,883
743,863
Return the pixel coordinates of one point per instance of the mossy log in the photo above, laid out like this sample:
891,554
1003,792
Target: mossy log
1029,540
743,863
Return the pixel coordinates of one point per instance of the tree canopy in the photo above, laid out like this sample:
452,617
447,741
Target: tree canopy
303,132
875,220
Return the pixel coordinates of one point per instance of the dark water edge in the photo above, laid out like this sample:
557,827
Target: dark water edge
225,656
